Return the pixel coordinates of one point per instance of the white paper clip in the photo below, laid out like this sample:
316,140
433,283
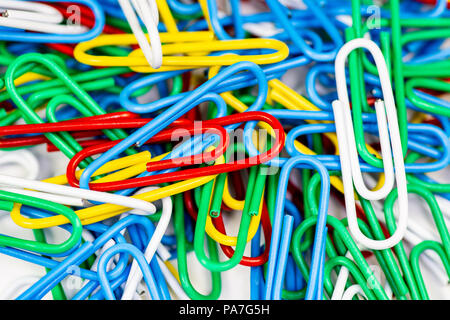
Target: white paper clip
34,16
148,13
135,274
351,172
72,196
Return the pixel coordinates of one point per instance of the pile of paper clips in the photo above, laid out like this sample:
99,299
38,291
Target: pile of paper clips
267,138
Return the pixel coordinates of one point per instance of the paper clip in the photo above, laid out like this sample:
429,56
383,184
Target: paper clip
44,19
35,16
179,226
350,166
60,270
414,260
282,13
148,13
143,264
315,289
363,266
191,44
135,276
75,196
188,160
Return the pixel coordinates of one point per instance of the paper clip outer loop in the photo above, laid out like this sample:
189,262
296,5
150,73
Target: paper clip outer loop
351,173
